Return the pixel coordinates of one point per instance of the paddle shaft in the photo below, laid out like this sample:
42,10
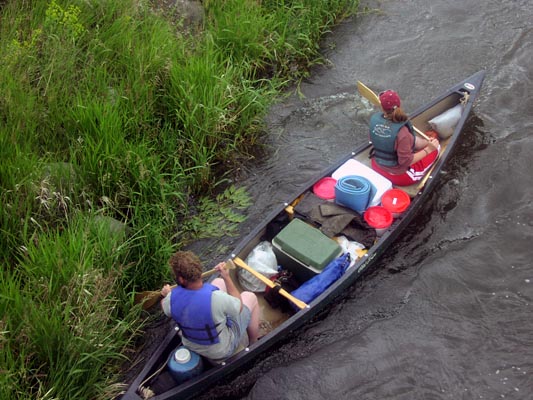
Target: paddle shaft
205,274
269,283
149,298
374,99
422,183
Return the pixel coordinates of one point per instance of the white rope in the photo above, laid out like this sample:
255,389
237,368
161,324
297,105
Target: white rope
465,98
147,392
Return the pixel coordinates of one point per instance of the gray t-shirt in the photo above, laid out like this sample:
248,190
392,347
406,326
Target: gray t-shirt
223,307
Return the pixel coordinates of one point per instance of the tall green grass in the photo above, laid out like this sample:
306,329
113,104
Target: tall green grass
62,320
118,131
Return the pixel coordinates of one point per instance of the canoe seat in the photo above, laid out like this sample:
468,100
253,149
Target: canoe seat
242,345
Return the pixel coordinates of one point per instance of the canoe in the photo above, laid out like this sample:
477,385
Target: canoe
298,217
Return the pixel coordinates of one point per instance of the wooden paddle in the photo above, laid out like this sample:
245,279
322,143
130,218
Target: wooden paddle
269,283
422,183
374,99
151,297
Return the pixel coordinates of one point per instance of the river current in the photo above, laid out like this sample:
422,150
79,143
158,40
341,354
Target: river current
447,313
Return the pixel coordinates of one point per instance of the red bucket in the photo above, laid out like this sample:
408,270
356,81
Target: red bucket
396,201
325,188
379,218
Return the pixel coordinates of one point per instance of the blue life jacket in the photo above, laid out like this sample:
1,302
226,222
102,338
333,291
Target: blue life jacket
383,133
191,309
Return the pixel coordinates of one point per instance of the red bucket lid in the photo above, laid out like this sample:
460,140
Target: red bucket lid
395,200
378,217
325,188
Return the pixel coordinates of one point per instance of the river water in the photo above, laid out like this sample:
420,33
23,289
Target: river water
447,313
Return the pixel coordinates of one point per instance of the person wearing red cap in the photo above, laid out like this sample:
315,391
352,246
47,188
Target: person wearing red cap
398,154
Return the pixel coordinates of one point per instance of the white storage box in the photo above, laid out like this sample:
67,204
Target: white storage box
354,167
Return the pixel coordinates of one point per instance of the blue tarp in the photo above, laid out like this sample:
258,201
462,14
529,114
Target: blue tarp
319,283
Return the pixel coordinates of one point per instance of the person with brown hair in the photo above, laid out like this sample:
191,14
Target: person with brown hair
398,154
214,318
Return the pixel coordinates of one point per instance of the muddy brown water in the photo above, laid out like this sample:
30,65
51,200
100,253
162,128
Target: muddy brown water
447,313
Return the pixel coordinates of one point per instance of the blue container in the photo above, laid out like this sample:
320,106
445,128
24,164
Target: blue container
354,192
184,364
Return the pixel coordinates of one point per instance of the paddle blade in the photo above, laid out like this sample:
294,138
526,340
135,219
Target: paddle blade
148,299
368,94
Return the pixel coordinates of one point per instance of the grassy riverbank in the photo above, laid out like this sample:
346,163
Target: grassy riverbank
117,129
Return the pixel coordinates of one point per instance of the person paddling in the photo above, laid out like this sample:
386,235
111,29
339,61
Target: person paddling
214,318
398,154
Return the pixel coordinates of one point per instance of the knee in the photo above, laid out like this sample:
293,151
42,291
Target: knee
219,283
250,299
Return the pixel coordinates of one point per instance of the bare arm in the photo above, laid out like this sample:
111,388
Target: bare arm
430,146
165,301
230,286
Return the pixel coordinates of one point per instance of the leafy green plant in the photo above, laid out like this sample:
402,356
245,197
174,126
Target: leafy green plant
66,20
218,217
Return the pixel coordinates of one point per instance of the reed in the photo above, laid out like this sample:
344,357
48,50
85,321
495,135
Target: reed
275,38
62,320
118,132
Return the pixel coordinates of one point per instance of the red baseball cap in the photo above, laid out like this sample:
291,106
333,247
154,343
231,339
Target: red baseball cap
389,100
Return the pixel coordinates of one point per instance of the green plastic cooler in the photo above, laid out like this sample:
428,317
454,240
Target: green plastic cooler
304,250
